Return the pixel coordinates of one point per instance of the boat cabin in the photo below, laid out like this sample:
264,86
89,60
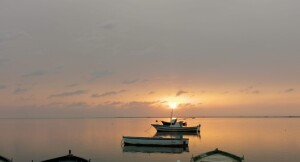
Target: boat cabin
174,123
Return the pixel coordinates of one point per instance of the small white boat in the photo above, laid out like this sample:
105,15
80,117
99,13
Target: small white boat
155,141
217,156
176,127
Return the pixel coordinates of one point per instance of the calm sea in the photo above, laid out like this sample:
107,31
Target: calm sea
258,139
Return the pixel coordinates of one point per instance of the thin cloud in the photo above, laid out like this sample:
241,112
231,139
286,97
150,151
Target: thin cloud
181,92
131,104
66,94
246,90
151,92
113,103
108,25
140,104
77,105
289,90
3,61
189,105
20,90
130,81
225,92
256,92
2,87
163,102
55,104
71,85
110,93
100,74
67,105
105,94
6,36
145,80
35,73
250,90
123,90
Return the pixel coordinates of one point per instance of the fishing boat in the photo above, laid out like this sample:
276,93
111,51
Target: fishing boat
217,156
155,141
175,126
167,123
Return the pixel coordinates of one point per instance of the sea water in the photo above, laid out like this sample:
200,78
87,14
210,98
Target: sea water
100,139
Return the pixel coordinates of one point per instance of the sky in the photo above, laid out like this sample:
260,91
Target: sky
130,58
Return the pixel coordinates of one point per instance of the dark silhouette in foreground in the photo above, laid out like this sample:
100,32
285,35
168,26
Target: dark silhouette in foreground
217,155
3,159
68,158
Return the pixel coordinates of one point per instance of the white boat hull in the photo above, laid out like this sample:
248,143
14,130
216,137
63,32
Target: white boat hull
163,128
155,141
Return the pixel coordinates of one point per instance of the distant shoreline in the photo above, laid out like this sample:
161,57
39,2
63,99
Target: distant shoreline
124,117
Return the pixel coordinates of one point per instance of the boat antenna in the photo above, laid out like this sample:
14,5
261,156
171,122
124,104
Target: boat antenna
171,115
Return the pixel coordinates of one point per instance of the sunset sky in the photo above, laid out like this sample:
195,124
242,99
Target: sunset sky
104,58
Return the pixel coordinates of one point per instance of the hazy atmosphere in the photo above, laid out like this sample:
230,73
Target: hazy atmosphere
132,58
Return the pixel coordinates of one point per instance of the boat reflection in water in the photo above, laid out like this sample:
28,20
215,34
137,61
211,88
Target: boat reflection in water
163,149
147,149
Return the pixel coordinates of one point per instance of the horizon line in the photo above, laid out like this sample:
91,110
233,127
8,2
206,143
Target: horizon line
193,117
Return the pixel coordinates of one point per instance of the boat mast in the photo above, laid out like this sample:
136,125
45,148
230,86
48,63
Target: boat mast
171,115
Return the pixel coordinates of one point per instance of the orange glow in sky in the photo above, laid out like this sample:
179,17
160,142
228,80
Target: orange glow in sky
173,105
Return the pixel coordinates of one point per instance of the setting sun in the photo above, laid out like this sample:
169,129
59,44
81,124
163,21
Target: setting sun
173,105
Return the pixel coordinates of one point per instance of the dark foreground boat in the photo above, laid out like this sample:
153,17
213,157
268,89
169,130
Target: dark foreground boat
217,156
3,159
68,158
163,149
155,141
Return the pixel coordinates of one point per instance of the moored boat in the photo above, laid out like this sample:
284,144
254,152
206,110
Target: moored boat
176,127
217,156
162,128
155,141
